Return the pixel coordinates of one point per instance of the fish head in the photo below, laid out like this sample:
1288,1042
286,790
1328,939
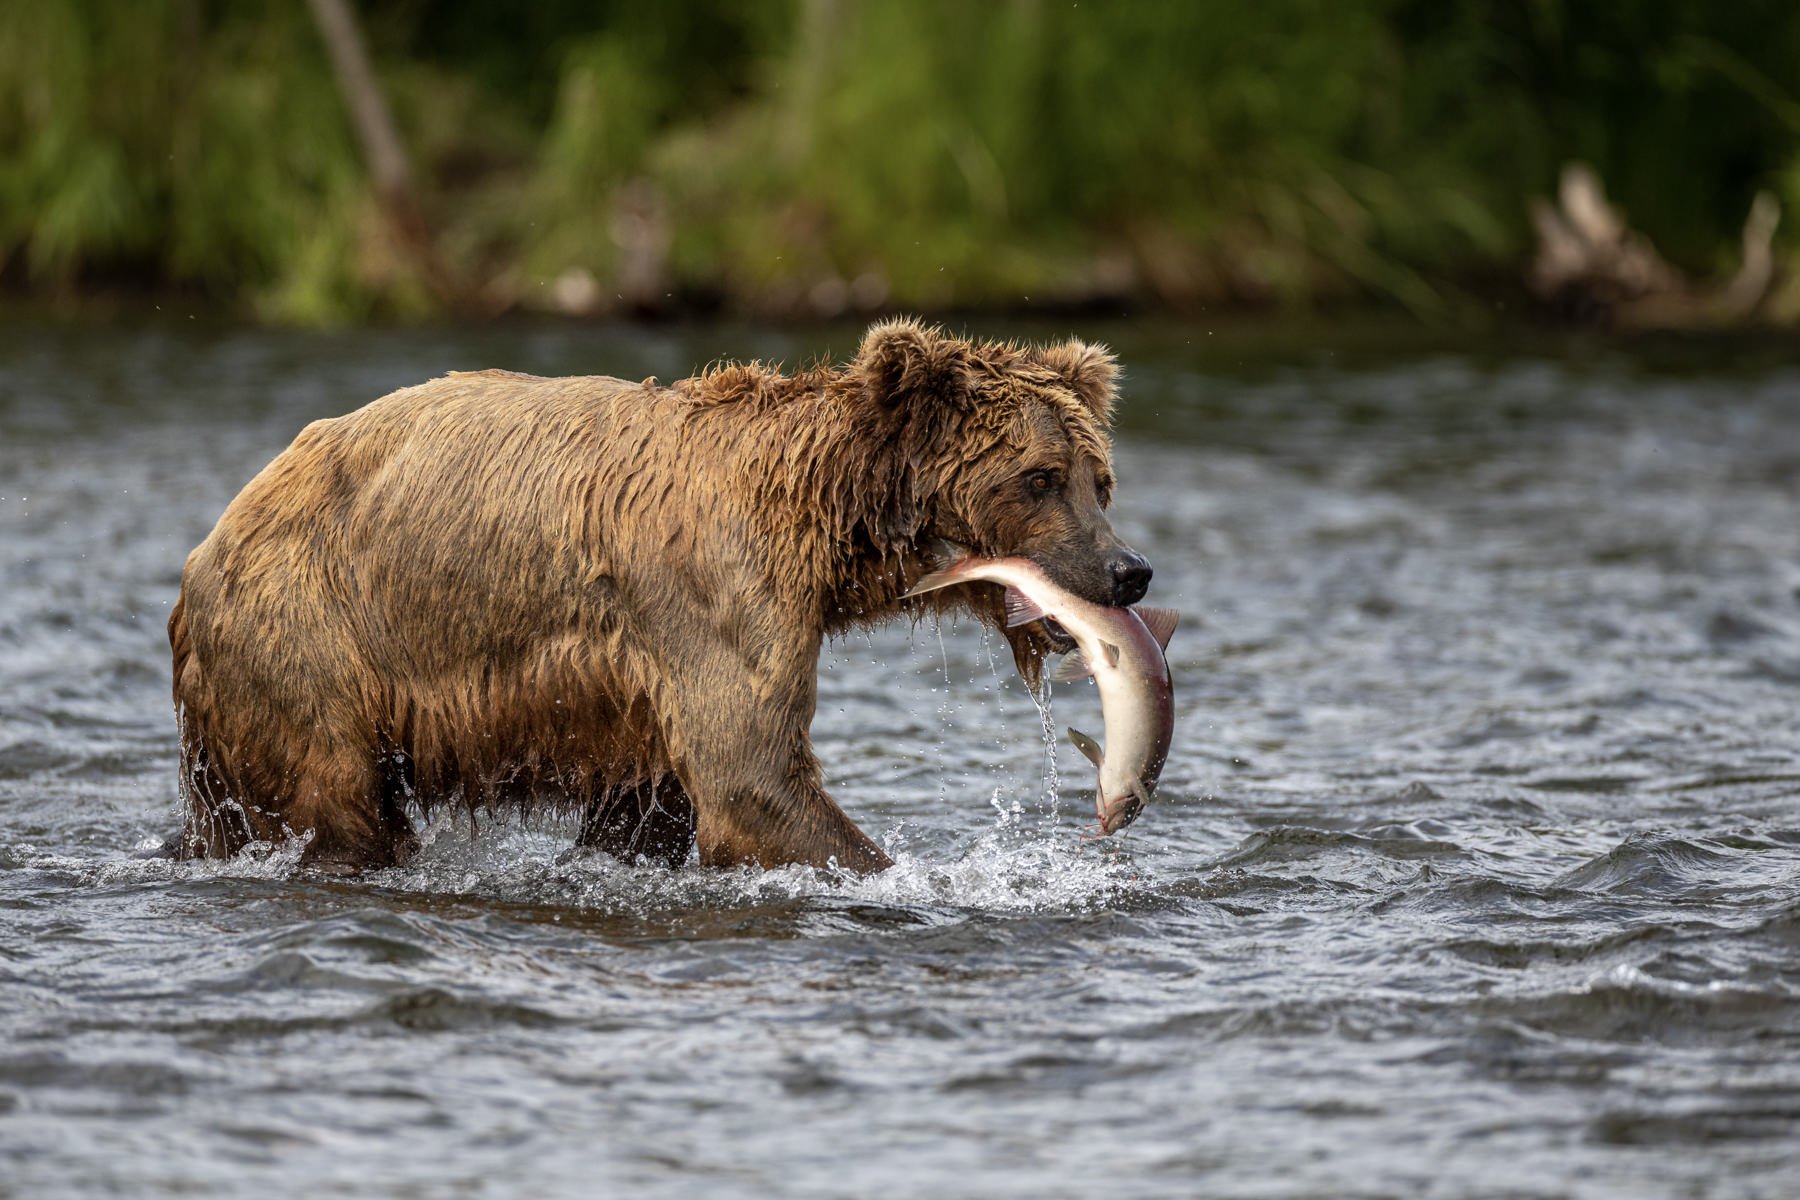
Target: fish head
1117,813
1120,811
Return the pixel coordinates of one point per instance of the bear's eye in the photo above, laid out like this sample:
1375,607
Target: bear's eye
1040,483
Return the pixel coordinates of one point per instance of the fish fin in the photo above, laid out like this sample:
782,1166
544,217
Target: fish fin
1087,745
1021,609
1111,652
1160,622
1073,666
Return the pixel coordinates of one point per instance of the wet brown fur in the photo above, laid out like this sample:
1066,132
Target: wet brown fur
608,596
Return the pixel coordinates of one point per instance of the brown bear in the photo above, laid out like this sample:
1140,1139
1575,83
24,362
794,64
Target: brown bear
610,597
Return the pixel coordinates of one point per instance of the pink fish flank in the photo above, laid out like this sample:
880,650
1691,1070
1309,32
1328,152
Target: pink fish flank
1122,648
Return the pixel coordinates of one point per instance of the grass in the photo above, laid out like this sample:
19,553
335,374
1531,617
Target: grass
815,155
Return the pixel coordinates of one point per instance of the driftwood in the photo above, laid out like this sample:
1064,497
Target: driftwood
1592,267
381,146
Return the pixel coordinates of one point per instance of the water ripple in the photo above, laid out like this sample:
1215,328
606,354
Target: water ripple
1475,869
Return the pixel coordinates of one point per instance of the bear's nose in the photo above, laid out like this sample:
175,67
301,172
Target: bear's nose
1131,578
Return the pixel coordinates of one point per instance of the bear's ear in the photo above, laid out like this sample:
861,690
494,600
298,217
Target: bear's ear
903,360
1091,372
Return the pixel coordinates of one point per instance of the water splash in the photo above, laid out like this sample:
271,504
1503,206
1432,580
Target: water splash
1040,696
258,860
1007,868
1013,866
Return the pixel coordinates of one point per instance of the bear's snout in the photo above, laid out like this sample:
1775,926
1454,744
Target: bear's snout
1131,577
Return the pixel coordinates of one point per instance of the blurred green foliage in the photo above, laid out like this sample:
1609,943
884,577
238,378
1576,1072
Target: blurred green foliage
811,155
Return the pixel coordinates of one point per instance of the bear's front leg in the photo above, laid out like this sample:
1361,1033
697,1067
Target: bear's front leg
758,794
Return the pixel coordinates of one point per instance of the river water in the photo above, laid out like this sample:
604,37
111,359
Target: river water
1475,872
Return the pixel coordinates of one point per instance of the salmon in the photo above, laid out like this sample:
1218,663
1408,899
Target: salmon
1122,648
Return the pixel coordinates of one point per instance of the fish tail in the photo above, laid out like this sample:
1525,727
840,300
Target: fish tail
949,556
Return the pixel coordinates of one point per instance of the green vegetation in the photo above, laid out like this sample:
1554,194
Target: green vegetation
815,155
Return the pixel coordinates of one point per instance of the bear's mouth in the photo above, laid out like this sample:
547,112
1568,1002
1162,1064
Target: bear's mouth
950,550
1060,641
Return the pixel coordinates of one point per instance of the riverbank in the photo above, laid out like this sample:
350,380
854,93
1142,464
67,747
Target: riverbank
815,159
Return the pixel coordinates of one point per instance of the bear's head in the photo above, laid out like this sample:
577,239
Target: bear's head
1005,449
